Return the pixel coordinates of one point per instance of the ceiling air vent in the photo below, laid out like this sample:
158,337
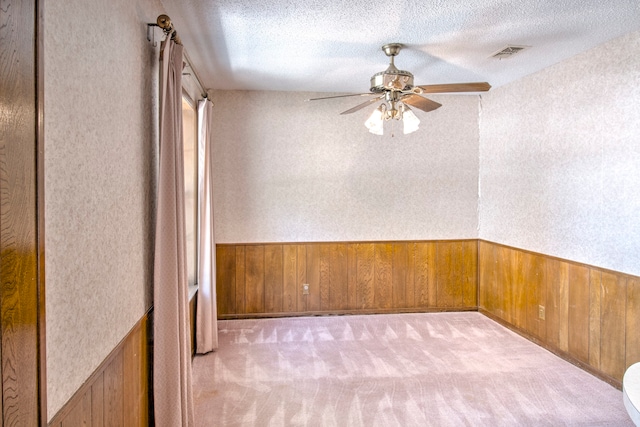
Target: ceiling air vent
508,51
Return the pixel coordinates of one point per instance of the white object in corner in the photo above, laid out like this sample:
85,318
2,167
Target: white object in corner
631,392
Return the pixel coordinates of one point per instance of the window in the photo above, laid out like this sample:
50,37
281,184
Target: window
189,132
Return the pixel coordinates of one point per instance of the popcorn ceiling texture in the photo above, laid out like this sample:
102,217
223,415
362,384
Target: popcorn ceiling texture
332,46
100,123
293,171
560,159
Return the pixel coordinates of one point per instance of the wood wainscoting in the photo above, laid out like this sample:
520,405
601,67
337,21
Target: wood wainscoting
255,280
117,393
588,315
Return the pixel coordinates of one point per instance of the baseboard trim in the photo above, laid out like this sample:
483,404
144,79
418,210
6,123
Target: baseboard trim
345,312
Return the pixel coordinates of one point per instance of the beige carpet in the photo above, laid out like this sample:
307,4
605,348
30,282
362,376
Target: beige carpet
439,369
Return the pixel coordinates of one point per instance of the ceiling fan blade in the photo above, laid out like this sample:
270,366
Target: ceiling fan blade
456,87
420,102
361,106
341,96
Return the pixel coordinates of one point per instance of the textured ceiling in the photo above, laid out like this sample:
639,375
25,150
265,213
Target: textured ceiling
334,46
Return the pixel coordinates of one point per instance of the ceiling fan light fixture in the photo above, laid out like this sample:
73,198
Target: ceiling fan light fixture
375,122
410,121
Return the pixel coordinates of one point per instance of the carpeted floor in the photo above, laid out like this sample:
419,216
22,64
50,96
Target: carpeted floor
438,369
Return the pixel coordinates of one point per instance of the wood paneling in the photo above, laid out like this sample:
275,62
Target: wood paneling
21,173
273,283
402,292
240,289
365,275
425,277
254,275
301,262
290,278
338,280
226,280
591,315
383,281
313,277
117,393
632,330
470,274
579,312
347,277
612,323
595,280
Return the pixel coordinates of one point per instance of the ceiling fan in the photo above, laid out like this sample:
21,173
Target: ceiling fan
395,89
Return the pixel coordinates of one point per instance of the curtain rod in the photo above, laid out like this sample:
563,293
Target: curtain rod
164,22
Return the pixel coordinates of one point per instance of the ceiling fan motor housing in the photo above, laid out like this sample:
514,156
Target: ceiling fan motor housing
391,79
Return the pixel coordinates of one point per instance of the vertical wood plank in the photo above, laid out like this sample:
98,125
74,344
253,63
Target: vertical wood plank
449,274
519,295
113,392
399,272
411,275
301,267
97,401
578,326
19,334
226,279
595,283
557,311
290,271
254,278
273,283
131,379
325,275
80,415
612,348
505,287
632,329
383,278
240,276
425,274
338,277
365,271
313,277
487,279
352,276
533,275
135,370
470,274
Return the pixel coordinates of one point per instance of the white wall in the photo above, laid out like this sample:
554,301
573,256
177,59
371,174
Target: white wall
560,159
293,171
100,120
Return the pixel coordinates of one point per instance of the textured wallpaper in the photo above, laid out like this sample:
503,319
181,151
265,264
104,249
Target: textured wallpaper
287,170
100,121
560,159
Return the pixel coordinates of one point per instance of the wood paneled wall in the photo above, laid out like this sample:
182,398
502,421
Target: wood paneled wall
367,277
592,315
117,393
22,364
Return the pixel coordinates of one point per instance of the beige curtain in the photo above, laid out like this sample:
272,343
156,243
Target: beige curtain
172,393
206,317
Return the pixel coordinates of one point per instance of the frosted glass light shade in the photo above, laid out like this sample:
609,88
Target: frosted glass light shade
375,122
410,121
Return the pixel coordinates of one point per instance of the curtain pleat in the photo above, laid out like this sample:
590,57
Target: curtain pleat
172,392
206,313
